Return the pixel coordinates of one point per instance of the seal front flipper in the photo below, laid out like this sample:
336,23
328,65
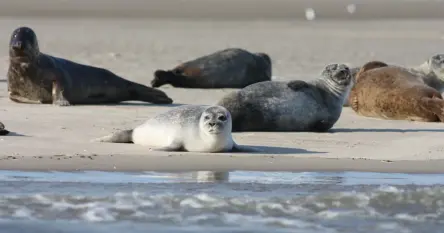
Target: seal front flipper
247,149
58,97
162,77
297,85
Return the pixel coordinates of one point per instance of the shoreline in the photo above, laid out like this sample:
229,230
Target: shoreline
216,163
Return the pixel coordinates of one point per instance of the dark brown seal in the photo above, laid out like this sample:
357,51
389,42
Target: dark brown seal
390,92
229,68
3,131
35,77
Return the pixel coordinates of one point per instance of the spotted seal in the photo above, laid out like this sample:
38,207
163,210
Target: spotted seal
431,72
193,128
228,68
297,105
390,92
3,131
38,78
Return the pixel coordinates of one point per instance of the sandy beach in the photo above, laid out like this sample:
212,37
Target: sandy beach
47,137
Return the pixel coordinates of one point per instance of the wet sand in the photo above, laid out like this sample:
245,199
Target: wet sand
47,137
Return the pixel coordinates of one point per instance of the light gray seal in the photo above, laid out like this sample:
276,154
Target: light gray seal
312,106
3,131
193,128
38,78
228,68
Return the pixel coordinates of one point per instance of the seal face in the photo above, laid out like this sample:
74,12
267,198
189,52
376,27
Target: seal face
391,92
228,68
38,78
194,128
290,106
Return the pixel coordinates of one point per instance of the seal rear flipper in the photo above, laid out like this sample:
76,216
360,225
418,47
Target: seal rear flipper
296,85
125,136
149,94
162,77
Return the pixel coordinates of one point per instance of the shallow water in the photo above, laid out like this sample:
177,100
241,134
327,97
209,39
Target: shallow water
242,202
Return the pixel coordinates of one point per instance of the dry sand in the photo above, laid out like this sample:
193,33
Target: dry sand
57,138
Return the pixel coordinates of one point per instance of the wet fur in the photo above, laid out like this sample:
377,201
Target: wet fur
394,93
229,68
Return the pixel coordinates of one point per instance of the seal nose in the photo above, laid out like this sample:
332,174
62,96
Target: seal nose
16,45
212,124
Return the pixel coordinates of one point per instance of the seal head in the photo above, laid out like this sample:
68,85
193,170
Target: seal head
215,120
436,64
336,78
23,45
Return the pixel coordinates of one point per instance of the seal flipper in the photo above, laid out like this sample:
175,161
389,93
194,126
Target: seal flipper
162,77
124,136
148,94
435,105
3,131
57,95
296,85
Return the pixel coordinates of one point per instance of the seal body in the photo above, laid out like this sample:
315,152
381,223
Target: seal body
195,128
390,92
290,106
35,77
229,68
3,131
431,72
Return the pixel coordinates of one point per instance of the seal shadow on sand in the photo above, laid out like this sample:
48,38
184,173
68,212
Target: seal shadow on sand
280,150
141,104
14,134
2,80
345,130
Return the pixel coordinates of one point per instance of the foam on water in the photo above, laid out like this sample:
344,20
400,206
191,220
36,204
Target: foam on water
251,201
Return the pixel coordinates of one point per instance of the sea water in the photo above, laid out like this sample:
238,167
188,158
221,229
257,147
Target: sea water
241,201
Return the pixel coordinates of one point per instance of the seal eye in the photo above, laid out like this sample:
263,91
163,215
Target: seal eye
207,117
222,118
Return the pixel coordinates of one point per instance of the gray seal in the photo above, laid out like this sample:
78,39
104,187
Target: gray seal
193,128
228,68
312,106
38,78
3,131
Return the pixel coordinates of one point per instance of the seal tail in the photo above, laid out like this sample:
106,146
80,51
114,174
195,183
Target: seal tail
435,105
125,136
162,77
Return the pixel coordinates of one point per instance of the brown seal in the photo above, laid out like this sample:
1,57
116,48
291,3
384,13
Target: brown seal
35,77
228,68
390,92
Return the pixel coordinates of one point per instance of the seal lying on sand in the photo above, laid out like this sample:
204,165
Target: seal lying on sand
229,68
390,92
431,72
34,77
193,128
294,106
3,131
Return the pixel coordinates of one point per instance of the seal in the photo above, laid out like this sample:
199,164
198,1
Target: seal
3,131
193,128
228,68
431,72
390,92
38,78
312,106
